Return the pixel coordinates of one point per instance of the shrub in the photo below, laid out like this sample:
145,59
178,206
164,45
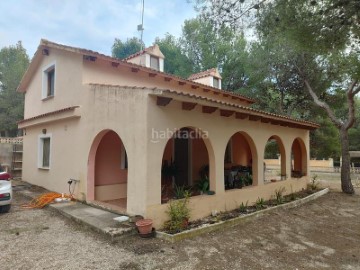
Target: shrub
313,185
260,204
179,214
279,195
243,207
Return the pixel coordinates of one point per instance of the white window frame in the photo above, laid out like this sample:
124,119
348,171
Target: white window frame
41,138
45,71
158,62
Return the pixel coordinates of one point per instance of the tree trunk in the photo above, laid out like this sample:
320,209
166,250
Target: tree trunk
346,184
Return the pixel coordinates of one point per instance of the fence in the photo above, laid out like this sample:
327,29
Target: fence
15,140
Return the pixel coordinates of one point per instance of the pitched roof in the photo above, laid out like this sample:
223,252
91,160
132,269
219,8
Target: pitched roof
263,115
150,50
45,44
209,72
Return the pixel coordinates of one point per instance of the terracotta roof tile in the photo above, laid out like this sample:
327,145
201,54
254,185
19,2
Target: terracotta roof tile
202,74
47,114
249,110
48,44
138,53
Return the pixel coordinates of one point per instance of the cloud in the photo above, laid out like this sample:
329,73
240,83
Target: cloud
90,24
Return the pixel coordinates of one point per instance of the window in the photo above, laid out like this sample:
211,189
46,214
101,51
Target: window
216,82
49,77
50,82
44,151
154,62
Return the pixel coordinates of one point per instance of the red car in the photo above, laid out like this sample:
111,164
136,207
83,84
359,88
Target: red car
4,175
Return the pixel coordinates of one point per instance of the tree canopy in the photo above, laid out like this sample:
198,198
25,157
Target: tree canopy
122,49
13,64
176,62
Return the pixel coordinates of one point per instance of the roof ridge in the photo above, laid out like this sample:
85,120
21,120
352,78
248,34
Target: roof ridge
45,42
202,73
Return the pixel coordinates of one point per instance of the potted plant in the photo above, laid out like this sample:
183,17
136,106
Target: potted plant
144,226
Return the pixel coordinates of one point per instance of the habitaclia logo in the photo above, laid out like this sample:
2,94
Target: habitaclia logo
185,133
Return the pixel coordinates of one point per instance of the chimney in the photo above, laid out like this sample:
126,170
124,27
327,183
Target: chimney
150,57
210,77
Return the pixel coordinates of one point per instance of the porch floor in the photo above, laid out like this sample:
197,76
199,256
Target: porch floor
118,205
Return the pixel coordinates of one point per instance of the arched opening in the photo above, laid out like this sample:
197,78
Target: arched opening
299,159
240,162
185,165
108,169
274,160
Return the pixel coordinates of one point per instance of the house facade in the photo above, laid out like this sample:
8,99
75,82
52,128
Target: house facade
116,125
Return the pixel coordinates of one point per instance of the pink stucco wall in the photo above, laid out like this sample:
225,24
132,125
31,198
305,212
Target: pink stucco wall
200,157
241,150
108,161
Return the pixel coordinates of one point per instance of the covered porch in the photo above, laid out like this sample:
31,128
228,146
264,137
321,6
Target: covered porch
228,151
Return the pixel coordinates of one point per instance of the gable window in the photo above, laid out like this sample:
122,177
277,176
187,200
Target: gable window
49,77
50,82
216,82
154,62
44,151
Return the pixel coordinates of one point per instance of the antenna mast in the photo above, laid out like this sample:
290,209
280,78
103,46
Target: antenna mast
140,27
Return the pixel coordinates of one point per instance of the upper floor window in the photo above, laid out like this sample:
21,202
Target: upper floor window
49,76
154,62
50,82
216,82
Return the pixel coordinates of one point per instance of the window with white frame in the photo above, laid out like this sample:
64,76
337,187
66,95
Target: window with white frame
154,62
44,151
49,76
216,82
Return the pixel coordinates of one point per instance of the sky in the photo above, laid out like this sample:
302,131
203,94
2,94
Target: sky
89,24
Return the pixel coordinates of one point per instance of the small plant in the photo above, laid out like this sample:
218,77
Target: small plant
249,179
313,184
243,207
279,195
260,204
181,192
203,184
179,214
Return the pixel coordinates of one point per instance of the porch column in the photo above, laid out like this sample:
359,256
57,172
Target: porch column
217,168
260,171
260,143
137,176
288,161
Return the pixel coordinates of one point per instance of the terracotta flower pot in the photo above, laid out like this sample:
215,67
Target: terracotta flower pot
144,226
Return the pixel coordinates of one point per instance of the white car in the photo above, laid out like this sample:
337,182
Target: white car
5,196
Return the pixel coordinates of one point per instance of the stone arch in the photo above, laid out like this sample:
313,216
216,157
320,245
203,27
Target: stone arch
299,158
281,155
107,170
240,157
187,157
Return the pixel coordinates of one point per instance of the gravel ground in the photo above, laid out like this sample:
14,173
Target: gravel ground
323,234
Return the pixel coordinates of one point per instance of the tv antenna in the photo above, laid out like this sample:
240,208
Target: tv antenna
140,27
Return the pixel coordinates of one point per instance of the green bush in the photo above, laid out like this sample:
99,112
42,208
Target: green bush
260,204
179,214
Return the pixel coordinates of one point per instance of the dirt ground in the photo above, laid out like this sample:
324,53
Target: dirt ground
323,234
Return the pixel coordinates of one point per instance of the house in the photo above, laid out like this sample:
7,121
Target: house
116,125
